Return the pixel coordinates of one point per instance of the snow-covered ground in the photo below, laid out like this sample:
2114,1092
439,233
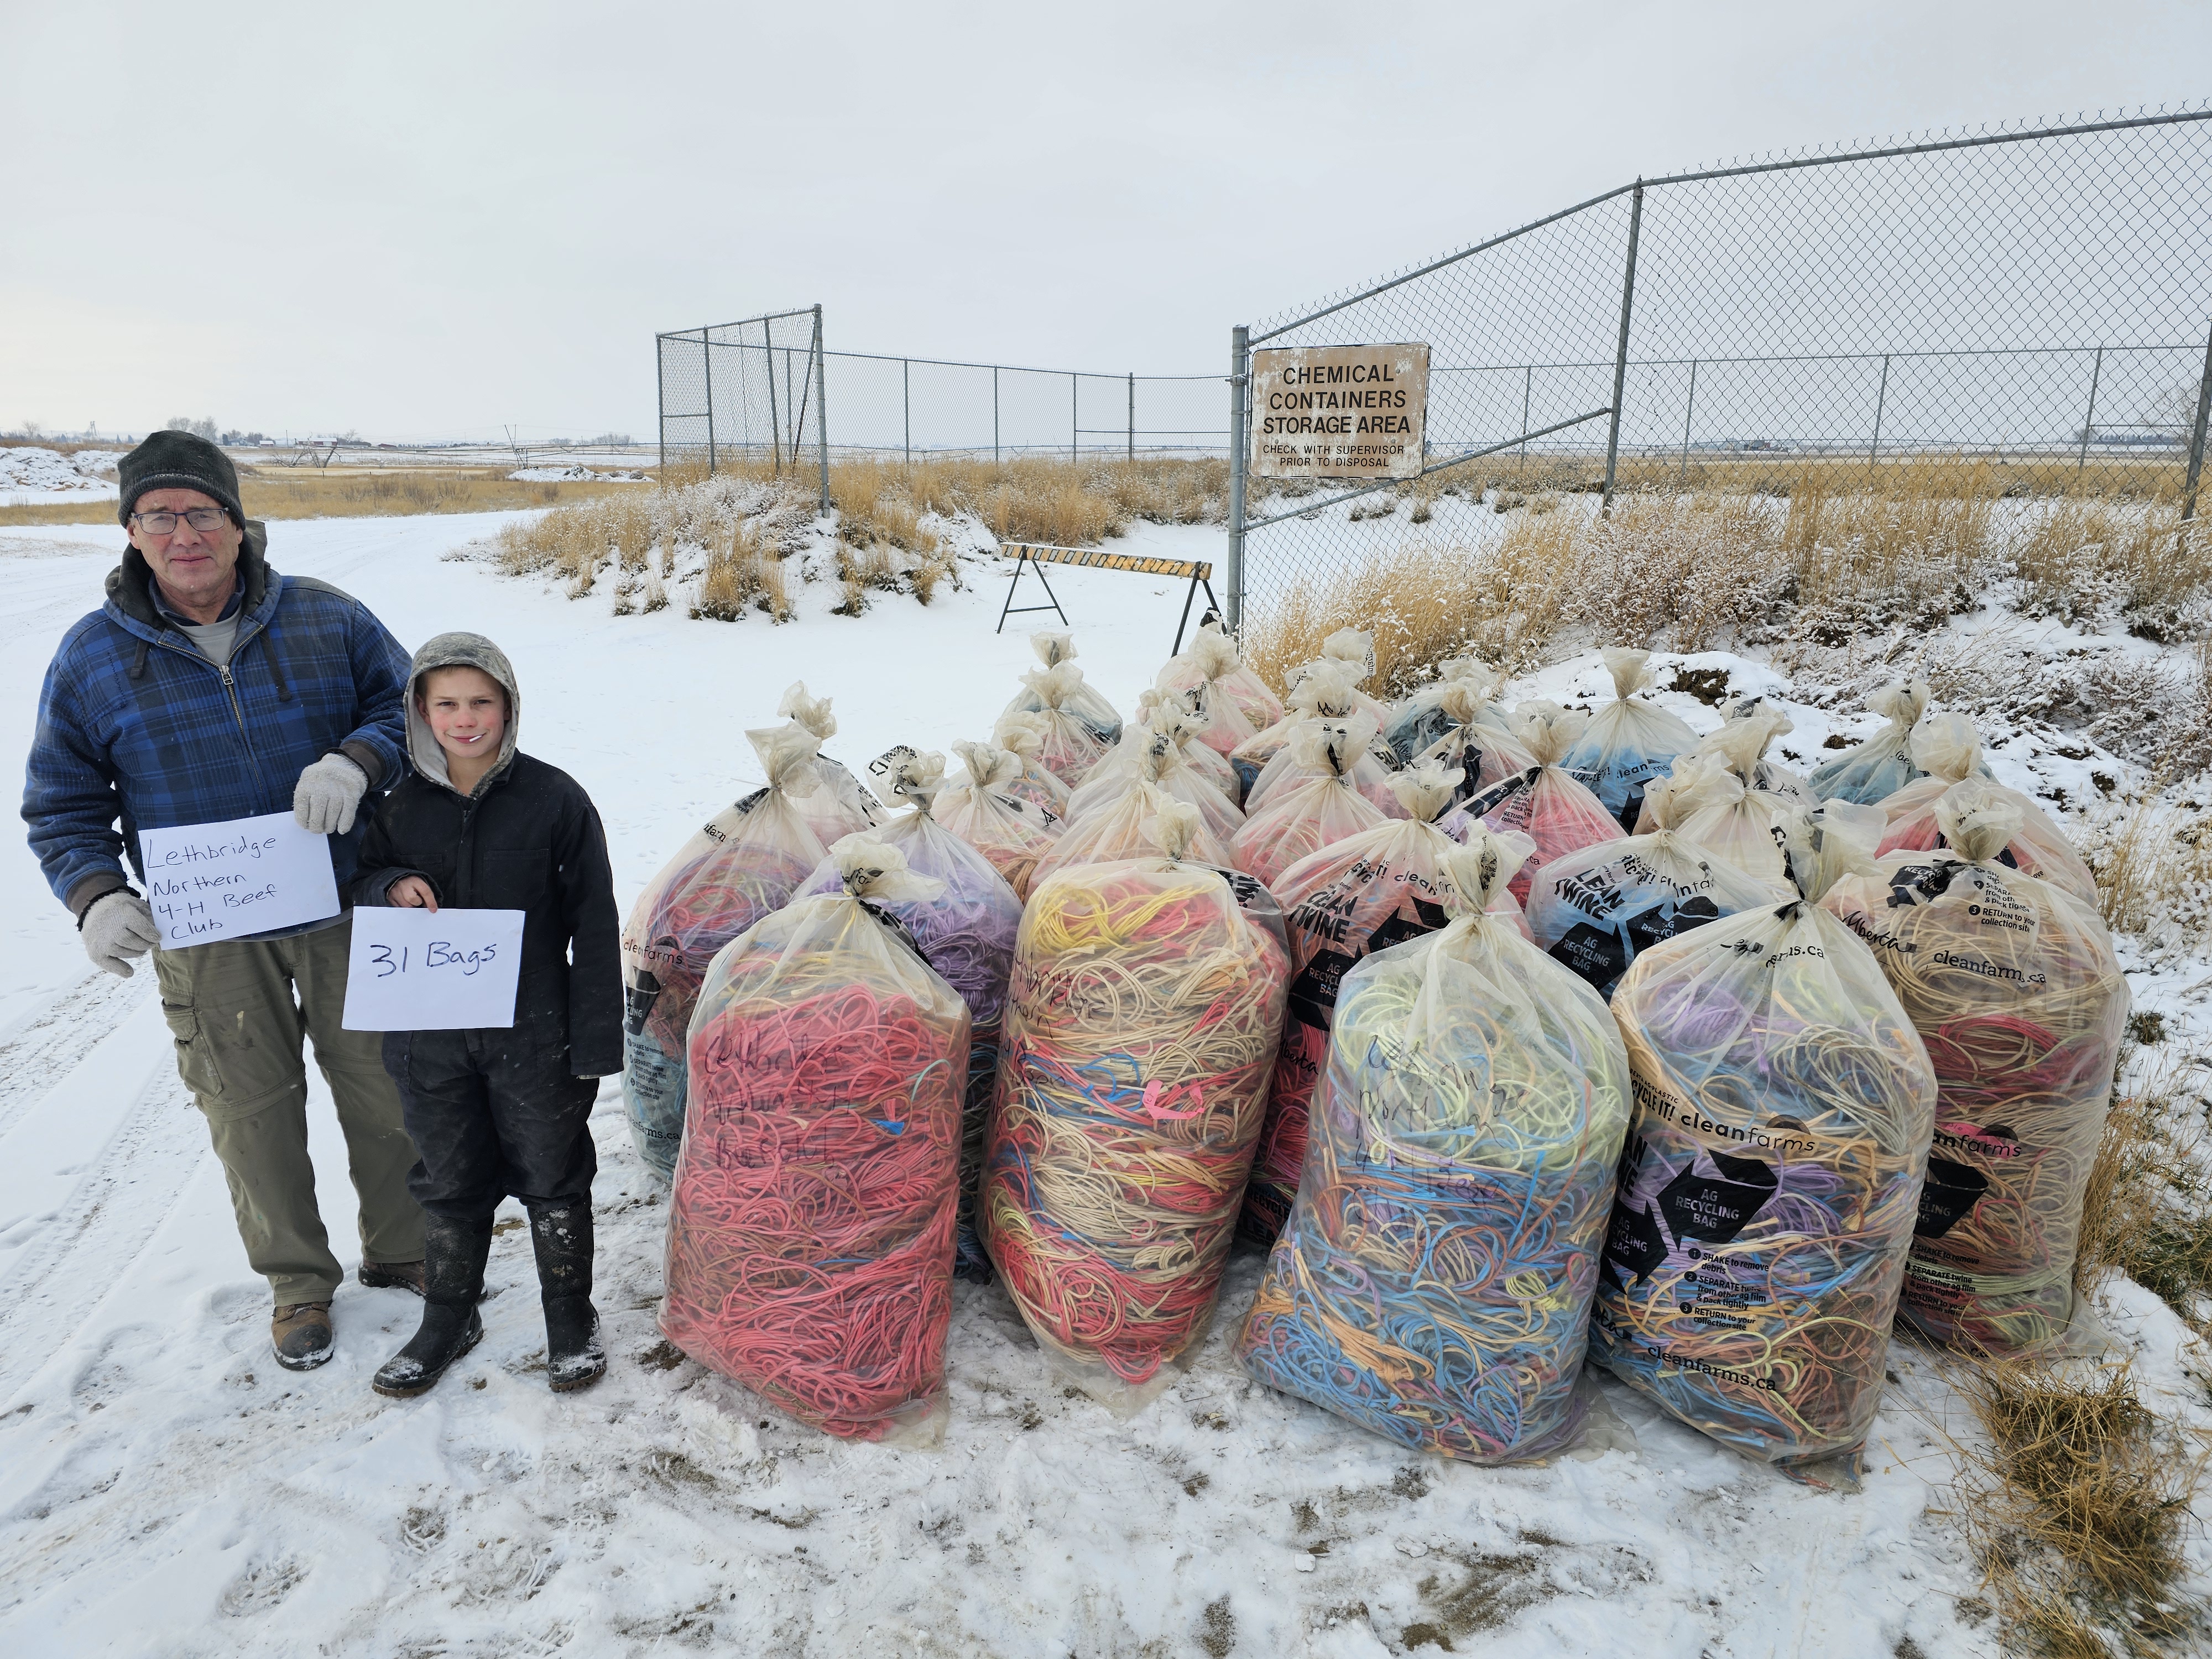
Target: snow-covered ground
166,1490
32,474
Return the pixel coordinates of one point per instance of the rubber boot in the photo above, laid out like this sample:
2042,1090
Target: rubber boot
453,1255
561,1235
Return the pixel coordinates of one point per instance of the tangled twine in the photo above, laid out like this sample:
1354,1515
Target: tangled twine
1142,1025
1433,1282
1767,1196
810,1228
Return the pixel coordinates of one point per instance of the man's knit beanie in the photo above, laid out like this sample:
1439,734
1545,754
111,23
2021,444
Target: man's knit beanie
178,460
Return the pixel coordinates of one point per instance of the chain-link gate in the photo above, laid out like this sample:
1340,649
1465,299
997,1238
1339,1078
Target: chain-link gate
2037,301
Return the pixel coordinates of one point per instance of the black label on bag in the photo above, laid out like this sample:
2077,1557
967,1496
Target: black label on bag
637,1003
1715,1208
1596,954
1313,993
1630,810
1663,922
1917,883
1634,1246
1948,1197
1489,800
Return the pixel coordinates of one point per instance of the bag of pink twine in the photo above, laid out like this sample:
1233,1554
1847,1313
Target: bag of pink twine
743,863
810,1228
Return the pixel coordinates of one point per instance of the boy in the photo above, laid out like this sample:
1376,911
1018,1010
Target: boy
499,1110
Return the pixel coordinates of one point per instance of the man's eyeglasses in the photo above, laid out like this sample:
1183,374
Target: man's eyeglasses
202,519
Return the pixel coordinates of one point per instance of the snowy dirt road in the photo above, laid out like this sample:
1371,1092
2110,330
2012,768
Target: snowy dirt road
166,1490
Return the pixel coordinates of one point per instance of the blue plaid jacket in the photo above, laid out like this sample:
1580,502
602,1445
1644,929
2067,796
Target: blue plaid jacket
136,724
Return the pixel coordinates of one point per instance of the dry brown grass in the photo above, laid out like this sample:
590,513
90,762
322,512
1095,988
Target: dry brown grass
2089,558
2078,1506
742,573
2150,854
304,493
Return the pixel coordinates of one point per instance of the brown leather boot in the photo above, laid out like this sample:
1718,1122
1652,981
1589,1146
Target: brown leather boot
391,1276
301,1334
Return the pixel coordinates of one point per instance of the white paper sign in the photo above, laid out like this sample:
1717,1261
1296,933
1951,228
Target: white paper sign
411,970
211,881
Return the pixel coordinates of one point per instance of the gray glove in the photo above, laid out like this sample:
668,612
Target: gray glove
327,794
117,925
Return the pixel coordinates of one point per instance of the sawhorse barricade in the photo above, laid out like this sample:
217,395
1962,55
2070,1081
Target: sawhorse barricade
1037,554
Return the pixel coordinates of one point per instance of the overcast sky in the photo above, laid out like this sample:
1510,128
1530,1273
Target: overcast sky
433,220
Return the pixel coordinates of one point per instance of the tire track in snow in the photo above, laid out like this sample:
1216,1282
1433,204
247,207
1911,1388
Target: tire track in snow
127,1191
43,1050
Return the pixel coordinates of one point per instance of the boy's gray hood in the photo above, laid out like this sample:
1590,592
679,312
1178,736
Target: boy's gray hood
459,651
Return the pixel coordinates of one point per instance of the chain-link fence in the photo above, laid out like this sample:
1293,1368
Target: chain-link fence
765,390
2033,302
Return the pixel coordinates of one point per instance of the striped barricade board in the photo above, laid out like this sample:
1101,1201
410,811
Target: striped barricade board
1199,572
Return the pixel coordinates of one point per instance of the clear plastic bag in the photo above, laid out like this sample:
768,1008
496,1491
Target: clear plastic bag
1483,754
1353,649
1023,735
1156,751
1369,775
742,863
1946,749
1322,690
1765,1204
1462,695
1592,910
811,1229
1211,659
1883,764
1207,683
1144,1018
1073,741
1628,742
1013,834
1123,830
1433,1283
1164,711
965,931
1770,775
2013,985
1545,803
1074,700
1726,817
856,807
1368,892
1320,810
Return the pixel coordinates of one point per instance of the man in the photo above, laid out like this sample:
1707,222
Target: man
208,687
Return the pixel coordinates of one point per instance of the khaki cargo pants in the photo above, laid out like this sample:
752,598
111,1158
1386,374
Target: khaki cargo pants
238,1009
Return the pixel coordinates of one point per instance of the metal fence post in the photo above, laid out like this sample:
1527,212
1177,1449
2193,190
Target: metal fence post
707,361
2196,441
995,416
1620,354
1880,402
2089,421
1240,356
1074,416
1133,414
1528,384
906,404
774,426
822,407
660,396
1688,410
